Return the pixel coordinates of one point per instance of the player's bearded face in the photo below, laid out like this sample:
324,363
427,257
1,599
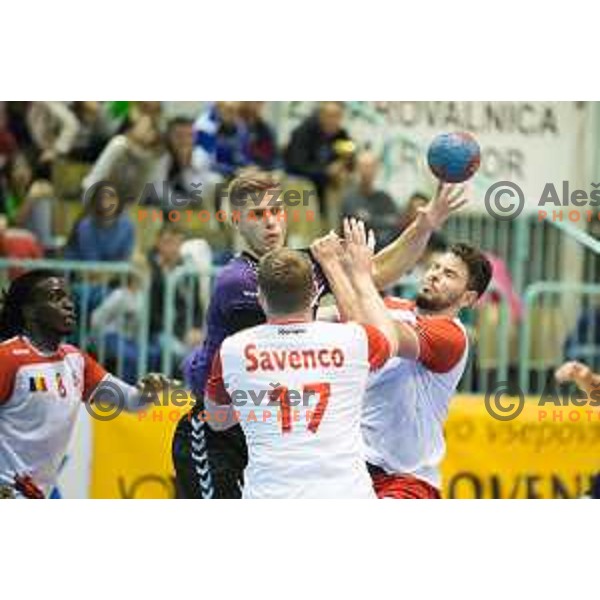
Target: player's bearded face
263,228
54,308
444,284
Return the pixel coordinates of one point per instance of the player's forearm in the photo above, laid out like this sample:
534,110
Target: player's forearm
399,257
372,309
343,290
115,391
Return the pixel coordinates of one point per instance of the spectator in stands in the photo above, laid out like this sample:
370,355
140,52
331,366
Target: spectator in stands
183,178
116,325
29,204
502,288
129,159
222,138
116,321
163,259
53,128
16,116
104,232
370,204
315,151
17,243
95,129
8,143
262,145
583,343
148,108
18,180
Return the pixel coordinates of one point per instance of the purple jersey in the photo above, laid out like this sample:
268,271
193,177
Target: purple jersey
234,306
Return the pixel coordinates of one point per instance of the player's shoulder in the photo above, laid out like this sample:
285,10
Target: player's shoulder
238,273
236,343
16,353
452,327
71,350
11,348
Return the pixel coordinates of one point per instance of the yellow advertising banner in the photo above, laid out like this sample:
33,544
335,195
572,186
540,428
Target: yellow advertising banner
131,455
546,451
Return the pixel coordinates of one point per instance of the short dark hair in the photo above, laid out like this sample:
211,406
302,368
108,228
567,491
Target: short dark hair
285,278
18,296
478,266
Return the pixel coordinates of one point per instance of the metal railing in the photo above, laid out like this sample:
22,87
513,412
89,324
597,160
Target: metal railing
195,285
561,322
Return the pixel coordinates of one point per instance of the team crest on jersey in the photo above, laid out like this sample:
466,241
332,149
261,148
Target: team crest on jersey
38,384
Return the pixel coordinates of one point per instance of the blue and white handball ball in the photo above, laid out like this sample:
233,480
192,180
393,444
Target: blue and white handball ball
454,157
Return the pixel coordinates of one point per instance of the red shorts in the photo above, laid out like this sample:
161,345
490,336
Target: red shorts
403,487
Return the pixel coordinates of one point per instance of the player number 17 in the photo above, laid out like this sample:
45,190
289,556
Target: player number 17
281,395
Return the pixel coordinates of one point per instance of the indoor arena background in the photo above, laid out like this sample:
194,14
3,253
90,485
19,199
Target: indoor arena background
511,433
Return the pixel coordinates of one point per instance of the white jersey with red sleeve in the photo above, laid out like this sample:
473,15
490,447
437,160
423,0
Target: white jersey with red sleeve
40,395
407,401
297,390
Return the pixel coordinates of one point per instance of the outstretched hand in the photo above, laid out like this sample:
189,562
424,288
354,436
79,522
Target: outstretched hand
574,371
448,199
359,247
155,382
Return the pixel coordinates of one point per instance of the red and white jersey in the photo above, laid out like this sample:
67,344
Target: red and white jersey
40,395
297,390
407,401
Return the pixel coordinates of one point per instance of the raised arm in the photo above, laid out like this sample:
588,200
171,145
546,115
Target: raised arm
328,252
399,257
358,263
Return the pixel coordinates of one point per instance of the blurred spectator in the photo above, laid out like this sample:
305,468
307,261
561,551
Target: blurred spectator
262,146
29,204
222,137
8,143
95,129
163,259
116,325
104,232
53,128
502,288
374,206
16,116
317,151
147,108
583,343
17,243
183,178
129,160
116,321
18,180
